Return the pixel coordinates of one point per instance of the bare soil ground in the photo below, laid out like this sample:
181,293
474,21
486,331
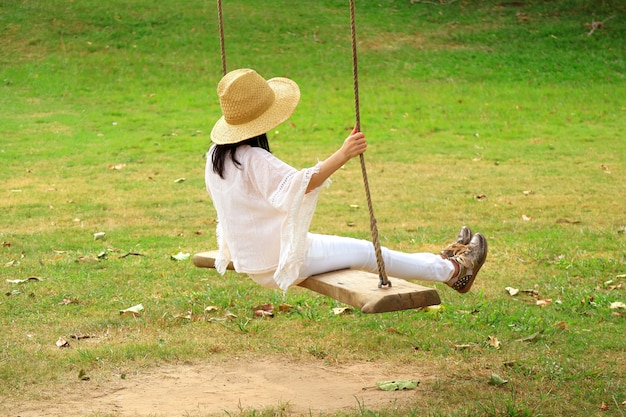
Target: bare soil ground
226,389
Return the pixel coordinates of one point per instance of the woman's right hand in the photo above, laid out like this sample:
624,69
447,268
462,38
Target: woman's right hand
354,145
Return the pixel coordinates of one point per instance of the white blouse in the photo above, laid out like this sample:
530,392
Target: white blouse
263,214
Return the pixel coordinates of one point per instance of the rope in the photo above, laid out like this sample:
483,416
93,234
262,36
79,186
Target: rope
384,281
221,27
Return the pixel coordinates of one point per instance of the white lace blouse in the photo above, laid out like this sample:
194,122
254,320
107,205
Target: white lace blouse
263,214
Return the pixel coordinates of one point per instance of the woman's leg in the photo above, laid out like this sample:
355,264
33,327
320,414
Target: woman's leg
330,253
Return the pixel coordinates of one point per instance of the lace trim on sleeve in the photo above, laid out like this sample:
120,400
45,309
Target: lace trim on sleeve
295,228
284,184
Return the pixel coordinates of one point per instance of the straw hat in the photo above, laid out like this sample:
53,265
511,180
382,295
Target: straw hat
252,106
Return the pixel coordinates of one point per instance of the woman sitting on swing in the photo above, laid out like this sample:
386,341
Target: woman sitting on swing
264,206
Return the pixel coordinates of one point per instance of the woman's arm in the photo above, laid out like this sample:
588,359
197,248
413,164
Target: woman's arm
354,145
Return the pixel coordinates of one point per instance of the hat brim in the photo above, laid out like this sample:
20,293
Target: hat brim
286,99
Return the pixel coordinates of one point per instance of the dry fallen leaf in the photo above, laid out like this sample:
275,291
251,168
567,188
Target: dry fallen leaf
512,291
497,380
397,385
545,302
474,311
217,319
617,305
531,338
604,406
211,308
264,310
437,308
21,281
188,315
494,342
562,326
62,343
87,260
264,307
127,254
134,310
263,313
567,221
117,167
82,336
285,308
526,218
181,256
481,197
462,347
532,293
341,310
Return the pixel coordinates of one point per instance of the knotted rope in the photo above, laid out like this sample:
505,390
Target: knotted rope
384,281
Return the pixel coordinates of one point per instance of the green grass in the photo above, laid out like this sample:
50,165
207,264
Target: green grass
463,99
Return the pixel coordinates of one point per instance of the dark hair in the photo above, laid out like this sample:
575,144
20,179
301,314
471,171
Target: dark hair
223,152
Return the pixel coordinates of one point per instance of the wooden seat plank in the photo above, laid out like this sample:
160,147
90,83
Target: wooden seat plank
357,288
207,260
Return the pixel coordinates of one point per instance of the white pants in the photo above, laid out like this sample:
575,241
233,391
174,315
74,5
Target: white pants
328,253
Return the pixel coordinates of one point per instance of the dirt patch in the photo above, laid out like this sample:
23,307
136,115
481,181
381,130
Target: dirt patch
227,388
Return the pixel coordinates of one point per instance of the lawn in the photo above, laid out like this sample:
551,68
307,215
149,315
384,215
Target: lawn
508,117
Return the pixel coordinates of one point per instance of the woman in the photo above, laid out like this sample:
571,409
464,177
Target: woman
264,206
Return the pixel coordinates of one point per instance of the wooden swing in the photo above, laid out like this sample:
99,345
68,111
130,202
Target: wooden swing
352,287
